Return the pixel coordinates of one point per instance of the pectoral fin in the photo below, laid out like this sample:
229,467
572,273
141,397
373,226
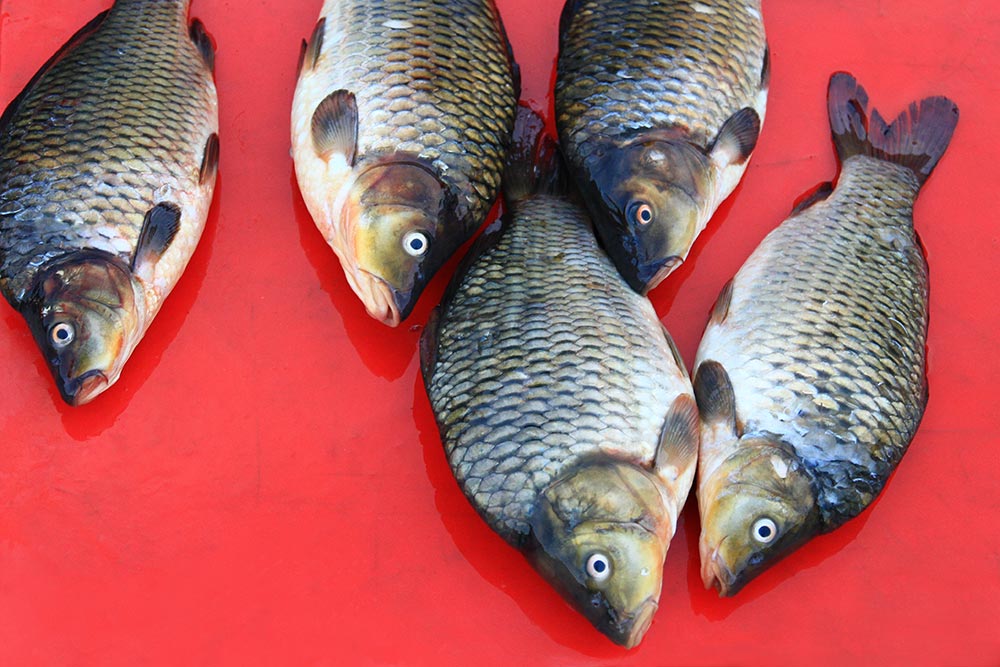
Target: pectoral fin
335,126
158,231
736,139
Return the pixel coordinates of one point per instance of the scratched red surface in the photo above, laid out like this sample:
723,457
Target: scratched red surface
265,485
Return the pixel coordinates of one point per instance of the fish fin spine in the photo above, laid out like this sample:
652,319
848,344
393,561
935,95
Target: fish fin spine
812,197
161,225
335,126
916,139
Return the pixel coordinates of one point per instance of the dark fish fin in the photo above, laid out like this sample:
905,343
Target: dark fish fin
429,345
302,58
74,41
811,197
209,159
916,139
335,126
678,359
680,436
765,69
204,42
566,17
312,49
721,309
737,138
158,231
714,391
533,165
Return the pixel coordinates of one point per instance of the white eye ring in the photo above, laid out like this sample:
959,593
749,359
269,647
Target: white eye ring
416,244
598,567
62,334
764,530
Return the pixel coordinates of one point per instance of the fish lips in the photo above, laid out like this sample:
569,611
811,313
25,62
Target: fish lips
641,273
80,390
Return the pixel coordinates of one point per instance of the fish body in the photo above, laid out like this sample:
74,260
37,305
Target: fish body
107,167
564,409
658,106
811,374
400,124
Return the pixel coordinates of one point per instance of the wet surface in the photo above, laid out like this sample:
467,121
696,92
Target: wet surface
265,484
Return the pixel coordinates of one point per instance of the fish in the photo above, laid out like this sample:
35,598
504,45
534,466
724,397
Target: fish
401,120
811,375
659,106
565,410
108,161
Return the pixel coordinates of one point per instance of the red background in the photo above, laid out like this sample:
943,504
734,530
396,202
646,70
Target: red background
265,485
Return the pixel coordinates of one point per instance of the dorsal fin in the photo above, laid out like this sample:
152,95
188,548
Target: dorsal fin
335,126
204,42
916,139
158,230
736,139
680,436
209,160
714,391
74,41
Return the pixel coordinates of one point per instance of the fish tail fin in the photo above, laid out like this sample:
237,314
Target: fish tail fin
916,139
534,165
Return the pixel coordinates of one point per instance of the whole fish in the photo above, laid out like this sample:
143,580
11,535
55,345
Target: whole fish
658,105
400,124
563,405
811,374
108,160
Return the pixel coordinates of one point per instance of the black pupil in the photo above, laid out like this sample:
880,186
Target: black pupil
416,243
645,215
764,532
62,333
600,566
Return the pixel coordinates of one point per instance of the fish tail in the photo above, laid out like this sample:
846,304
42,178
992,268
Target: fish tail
534,165
916,139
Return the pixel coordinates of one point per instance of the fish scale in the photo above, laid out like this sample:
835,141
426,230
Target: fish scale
99,139
518,410
633,65
462,124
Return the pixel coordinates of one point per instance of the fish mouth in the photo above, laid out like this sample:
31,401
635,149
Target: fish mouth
379,298
85,388
636,626
661,270
716,574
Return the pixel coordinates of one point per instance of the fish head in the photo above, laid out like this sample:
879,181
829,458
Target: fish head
398,221
654,193
84,315
600,537
756,507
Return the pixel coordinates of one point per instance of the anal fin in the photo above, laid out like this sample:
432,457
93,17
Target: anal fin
335,126
158,231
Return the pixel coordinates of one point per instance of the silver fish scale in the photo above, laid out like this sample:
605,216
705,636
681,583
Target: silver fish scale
641,64
106,134
824,341
544,355
432,79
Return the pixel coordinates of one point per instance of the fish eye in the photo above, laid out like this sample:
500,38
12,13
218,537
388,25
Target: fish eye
598,567
62,334
416,244
640,213
764,530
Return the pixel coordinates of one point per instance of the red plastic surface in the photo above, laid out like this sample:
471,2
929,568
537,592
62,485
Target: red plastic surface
265,485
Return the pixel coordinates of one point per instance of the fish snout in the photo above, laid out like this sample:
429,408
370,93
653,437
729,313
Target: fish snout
379,298
635,628
83,389
714,571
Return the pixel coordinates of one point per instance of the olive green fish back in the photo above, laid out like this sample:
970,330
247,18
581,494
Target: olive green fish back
542,355
628,65
432,79
101,136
